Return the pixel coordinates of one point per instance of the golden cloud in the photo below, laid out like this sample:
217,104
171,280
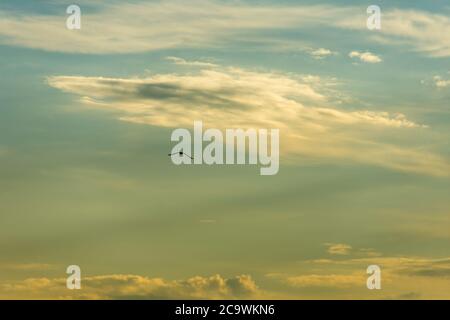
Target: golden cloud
328,280
338,248
304,108
121,286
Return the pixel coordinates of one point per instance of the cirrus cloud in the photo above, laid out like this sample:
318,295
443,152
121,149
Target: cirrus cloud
146,26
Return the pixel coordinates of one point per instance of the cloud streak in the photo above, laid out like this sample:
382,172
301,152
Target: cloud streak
183,62
338,248
327,280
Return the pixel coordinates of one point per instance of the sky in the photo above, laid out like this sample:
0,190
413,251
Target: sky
87,116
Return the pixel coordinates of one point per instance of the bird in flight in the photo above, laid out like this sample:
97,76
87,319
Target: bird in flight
181,153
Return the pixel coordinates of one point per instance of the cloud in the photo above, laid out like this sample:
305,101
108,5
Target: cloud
328,280
321,53
120,286
124,27
365,56
418,30
400,265
345,249
368,252
439,268
401,277
183,62
338,248
302,107
346,276
441,83
27,266
274,96
432,272
423,31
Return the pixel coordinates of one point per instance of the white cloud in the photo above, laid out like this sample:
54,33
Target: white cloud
365,56
321,53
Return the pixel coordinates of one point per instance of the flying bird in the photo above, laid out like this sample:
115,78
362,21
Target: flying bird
181,153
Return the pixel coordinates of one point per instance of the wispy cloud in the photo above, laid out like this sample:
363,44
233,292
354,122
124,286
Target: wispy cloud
338,248
327,280
120,28
321,53
27,266
420,30
183,62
